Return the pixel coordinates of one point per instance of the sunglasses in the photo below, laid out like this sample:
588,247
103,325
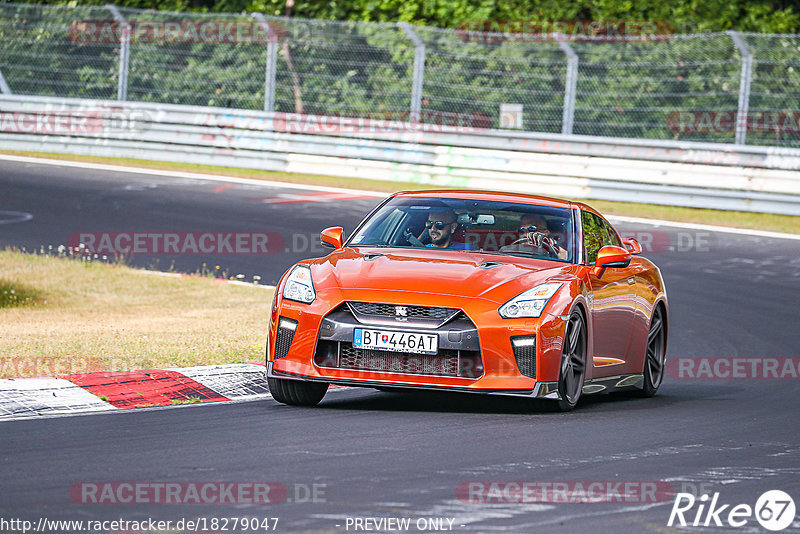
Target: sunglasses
439,225
526,229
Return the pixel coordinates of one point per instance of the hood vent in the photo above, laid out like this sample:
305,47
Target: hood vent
490,264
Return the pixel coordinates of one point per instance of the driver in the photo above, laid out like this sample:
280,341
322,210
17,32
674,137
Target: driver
536,237
441,225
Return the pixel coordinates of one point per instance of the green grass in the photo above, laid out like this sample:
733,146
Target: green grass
187,400
91,316
13,294
736,219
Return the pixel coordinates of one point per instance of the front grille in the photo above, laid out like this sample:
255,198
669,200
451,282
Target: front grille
283,341
525,354
447,362
378,310
443,364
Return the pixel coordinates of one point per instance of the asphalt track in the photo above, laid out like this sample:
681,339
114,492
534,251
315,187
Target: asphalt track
376,454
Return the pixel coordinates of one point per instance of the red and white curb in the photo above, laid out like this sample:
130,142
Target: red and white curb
104,391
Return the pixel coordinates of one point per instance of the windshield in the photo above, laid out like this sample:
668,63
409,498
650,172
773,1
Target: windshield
510,228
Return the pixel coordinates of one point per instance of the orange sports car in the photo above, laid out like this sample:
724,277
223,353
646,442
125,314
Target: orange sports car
484,292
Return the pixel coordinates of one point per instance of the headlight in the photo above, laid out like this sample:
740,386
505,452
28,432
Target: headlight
299,285
529,303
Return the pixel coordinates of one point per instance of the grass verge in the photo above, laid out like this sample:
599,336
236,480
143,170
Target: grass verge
735,219
85,317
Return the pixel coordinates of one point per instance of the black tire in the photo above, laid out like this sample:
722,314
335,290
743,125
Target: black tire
655,357
573,362
296,392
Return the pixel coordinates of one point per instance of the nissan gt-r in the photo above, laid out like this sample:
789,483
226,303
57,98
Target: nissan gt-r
483,292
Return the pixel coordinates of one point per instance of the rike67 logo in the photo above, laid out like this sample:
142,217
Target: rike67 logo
774,511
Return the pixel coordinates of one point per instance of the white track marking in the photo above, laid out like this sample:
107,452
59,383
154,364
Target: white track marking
184,275
708,227
191,175
16,217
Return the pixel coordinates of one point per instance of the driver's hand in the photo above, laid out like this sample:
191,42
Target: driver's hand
412,239
537,238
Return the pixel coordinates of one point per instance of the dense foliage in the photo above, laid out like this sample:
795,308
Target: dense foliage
762,16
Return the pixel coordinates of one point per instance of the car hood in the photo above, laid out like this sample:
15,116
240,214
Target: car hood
464,274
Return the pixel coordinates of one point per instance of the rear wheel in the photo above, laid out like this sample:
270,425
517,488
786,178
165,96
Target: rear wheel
296,392
573,363
655,356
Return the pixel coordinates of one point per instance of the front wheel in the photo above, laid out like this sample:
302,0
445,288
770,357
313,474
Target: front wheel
296,392
573,363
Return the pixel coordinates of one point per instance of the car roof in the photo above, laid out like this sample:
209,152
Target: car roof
494,195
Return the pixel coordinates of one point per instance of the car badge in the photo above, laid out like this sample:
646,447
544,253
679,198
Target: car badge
401,311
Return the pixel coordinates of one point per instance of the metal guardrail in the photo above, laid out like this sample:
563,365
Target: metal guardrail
704,175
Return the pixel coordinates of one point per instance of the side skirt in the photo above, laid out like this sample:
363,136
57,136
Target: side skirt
612,383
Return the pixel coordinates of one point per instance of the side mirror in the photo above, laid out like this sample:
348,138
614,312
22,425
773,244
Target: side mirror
611,256
332,237
632,245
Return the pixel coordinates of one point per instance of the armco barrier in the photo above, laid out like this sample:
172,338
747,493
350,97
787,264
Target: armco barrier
704,175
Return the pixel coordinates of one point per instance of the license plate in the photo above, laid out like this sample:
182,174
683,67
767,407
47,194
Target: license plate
395,341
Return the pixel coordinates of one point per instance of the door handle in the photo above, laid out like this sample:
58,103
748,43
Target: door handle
630,280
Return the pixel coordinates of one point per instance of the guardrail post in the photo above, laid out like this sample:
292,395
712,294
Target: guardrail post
570,85
4,88
124,52
270,70
419,69
745,79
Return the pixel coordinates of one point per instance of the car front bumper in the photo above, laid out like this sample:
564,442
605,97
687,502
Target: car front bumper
319,332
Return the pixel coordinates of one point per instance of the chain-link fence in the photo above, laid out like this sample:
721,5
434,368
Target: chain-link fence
38,57
725,87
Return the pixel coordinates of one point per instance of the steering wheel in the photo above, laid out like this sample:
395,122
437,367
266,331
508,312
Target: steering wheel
537,239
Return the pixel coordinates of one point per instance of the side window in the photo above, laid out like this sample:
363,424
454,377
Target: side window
596,234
